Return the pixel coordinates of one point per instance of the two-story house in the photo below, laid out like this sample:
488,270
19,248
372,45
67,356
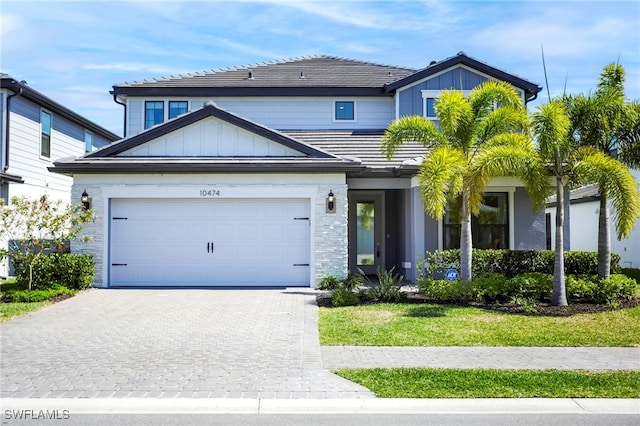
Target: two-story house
35,131
272,174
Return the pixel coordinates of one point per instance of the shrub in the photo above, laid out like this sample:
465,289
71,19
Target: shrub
353,281
491,287
533,286
512,263
581,288
631,273
342,296
74,271
443,290
617,287
328,282
388,287
29,296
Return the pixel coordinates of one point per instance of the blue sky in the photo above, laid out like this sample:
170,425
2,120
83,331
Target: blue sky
75,51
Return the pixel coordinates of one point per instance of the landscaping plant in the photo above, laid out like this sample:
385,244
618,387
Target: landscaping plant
34,228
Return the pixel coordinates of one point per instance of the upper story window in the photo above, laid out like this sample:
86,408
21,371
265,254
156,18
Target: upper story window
430,110
153,113
177,108
88,141
344,111
45,132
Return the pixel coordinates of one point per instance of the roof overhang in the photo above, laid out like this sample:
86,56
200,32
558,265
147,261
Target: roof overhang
28,93
248,91
136,165
7,178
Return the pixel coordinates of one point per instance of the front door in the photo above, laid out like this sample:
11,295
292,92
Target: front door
366,231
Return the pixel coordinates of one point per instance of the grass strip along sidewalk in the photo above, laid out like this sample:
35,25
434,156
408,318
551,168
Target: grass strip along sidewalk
487,383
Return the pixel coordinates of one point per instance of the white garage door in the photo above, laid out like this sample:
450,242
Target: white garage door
213,242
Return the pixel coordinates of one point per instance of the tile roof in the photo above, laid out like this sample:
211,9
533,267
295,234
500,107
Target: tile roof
302,72
585,193
365,145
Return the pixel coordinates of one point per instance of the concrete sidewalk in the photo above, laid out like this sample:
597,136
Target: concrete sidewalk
324,406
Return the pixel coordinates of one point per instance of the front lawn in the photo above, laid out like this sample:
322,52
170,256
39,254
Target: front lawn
28,301
445,325
485,383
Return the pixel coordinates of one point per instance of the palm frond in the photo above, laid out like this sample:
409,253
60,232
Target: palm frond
507,155
505,119
411,129
615,182
440,178
551,125
485,97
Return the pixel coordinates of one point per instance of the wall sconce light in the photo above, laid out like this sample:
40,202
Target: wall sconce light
331,202
86,201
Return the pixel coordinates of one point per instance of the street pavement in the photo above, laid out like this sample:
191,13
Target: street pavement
240,350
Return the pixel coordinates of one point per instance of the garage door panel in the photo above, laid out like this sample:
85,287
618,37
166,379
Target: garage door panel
253,242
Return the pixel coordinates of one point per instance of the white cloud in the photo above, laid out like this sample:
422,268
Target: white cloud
131,66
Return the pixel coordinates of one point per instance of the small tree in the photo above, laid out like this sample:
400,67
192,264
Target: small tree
32,228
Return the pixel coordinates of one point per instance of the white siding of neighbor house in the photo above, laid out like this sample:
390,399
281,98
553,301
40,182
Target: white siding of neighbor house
329,230
583,223
211,137
67,139
303,113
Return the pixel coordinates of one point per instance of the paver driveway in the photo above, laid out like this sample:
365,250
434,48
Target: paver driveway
171,343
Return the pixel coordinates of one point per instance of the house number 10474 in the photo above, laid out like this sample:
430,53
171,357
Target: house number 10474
209,193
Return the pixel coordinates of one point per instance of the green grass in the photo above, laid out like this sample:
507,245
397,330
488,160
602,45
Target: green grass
12,310
442,325
484,383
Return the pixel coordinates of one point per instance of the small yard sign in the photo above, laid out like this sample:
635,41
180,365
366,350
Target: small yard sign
451,275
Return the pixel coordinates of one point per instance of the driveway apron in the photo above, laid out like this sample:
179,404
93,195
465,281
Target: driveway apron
166,343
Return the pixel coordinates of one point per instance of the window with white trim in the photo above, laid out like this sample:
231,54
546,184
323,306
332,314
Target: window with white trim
344,111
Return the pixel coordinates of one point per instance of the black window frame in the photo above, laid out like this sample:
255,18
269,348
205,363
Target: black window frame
45,134
147,123
338,117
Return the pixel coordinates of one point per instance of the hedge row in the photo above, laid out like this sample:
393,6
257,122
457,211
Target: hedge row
532,286
515,262
73,271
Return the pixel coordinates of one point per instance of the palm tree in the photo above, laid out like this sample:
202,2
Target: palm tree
551,126
570,165
474,142
607,123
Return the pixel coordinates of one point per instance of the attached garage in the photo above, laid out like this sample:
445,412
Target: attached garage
209,242
210,199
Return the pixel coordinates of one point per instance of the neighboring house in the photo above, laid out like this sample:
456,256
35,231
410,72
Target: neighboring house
582,217
273,174
35,131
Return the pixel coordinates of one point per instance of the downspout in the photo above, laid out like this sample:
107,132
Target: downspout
124,130
6,135
535,96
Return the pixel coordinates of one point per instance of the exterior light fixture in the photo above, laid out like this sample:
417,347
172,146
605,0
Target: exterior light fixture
84,198
331,202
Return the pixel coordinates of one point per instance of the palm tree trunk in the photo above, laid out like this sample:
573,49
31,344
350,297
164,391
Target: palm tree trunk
465,241
604,240
559,296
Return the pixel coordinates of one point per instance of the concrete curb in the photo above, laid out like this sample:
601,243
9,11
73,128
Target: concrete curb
324,406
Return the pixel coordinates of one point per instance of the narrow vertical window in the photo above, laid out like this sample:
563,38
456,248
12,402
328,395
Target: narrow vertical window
153,113
45,131
431,110
344,111
88,141
177,108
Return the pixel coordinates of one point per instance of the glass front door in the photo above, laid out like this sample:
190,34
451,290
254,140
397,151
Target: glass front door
366,230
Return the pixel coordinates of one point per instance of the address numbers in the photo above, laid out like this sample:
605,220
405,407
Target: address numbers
209,192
